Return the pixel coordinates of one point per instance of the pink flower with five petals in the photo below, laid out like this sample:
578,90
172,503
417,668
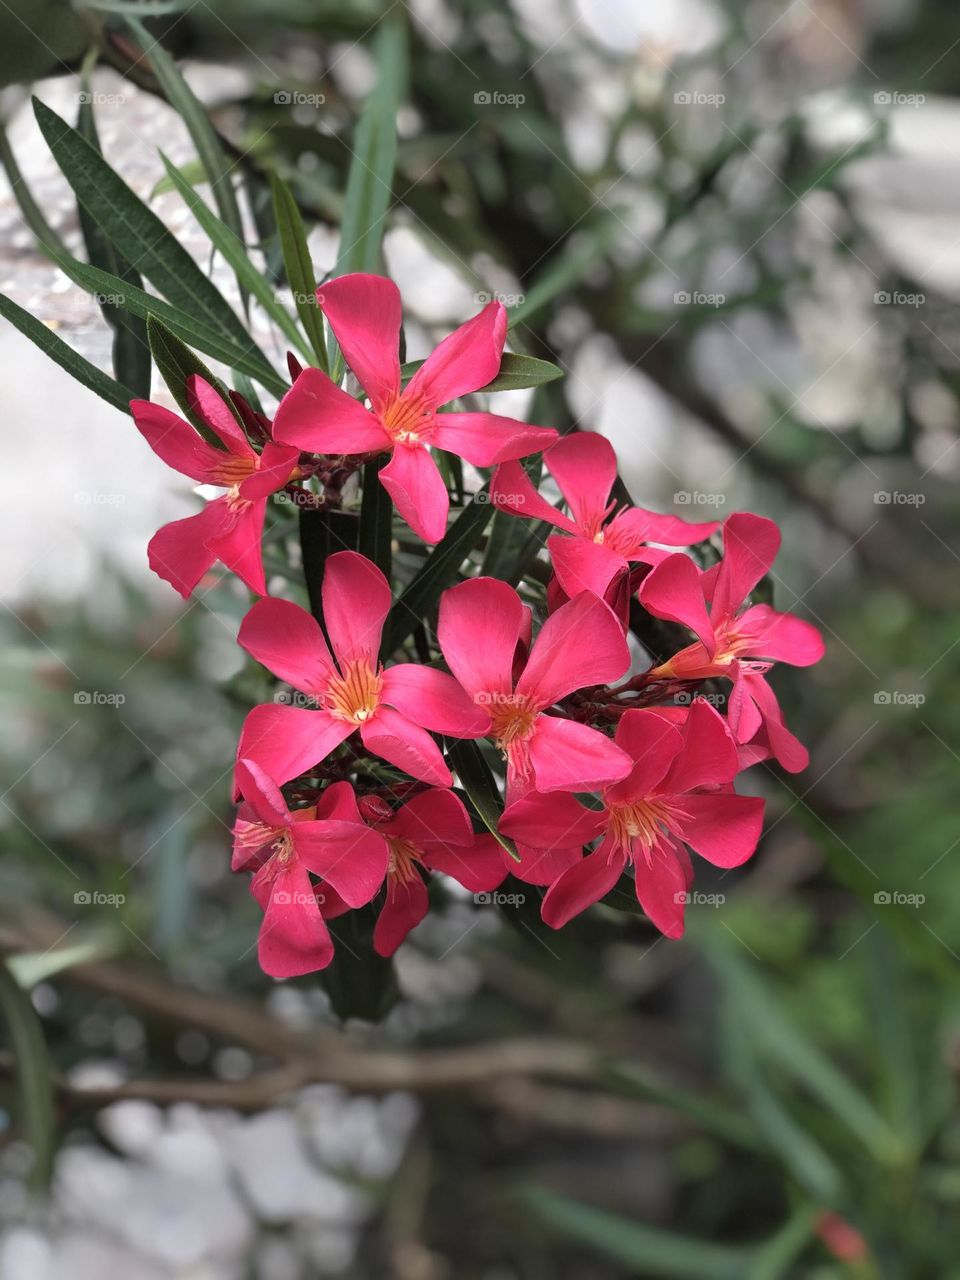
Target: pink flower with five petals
431,832
283,848
364,312
229,528
676,794
392,708
481,624
603,541
733,641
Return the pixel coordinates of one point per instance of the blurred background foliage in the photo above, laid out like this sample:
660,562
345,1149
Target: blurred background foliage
736,232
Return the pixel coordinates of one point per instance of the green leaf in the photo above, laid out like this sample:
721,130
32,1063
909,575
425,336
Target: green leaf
192,172
298,267
29,968
193,114
437,572
776,1258
782,1040
721,1121
567,269
48,342
235,253
246,358
34,1076
376,518
176,363
648,1250
131,353
137,231
360,983
370,179
33,215
516,373
478,782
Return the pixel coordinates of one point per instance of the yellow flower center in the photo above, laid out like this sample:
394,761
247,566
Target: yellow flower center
408,420
643,820
254,835
403,859
354,694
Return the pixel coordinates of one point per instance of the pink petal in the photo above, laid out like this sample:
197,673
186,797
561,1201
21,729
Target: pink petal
293,937
405,907
543,866
338,801
207,404
548,822
479,867
395,739
479,626
350,855
581,644
320,417
276,463
239,546
286,741
788,750
287,641
416,486
652,743
780,636
709,754
262,794
672,590
750,546
176,443
434,700
463,362
179,553
567,756
433,819
723,827
584,465
662,886
484,439
583,565
356,601
638,526
365,314
582,885
512,491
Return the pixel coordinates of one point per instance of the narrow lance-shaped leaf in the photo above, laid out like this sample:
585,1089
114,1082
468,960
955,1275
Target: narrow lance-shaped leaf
516,373
376,518
478,782
193,114
34,1075
176,363
51,345
137,231
235,253
298,267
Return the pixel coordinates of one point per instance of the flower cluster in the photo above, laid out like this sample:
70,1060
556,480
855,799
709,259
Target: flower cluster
614,763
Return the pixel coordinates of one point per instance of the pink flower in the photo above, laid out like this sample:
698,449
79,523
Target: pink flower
283,848
733,641
602,544
365,315
676,794
229,528
432,832
392,708
581,644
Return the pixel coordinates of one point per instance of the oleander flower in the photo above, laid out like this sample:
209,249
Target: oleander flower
229,528
392,708
482,623
677,793
602,541
283,848
364,312
735,641
431,832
